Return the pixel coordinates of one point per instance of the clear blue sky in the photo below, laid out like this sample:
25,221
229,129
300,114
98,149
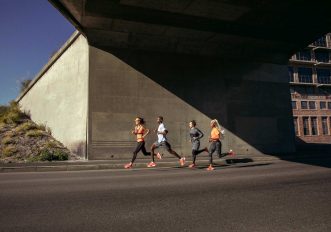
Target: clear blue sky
30,32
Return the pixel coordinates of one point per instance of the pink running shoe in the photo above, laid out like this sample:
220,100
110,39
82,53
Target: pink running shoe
210,168
182,161
159,156
151,165
129,165
231,153
192,166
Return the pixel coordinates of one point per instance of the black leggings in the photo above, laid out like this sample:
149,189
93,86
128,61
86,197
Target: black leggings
214,146
195,153
140,146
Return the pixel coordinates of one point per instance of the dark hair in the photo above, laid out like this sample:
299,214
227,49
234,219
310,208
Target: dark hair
160,117
193,122
142,121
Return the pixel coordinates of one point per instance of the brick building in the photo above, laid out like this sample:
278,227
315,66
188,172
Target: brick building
310,86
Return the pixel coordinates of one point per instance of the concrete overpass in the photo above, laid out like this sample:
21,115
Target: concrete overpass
260,30
193,59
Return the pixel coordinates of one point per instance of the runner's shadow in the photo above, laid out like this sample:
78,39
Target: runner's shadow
236,161
222,166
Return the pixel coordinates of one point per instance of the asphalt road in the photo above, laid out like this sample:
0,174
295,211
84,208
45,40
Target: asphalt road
280,196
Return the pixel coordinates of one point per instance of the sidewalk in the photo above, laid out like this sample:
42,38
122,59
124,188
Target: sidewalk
141,163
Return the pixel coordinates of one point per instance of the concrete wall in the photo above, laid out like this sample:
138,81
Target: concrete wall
251,100
58,97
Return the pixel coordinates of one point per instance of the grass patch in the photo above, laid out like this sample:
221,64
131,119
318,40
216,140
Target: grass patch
7,140
34,133
50,155
44,127
12,114
51,144
26,126
9,150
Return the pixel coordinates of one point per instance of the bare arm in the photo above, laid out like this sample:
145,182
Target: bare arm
147,132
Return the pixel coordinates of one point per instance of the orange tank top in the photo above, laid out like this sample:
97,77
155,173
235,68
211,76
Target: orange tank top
215,134
139,131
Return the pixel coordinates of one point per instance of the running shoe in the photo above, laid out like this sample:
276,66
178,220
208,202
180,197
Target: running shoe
129,165
210,168
192,166
182,161
159,156
231,153
151,164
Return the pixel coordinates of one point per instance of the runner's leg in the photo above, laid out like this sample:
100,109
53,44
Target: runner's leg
143,150
212,149
168,147
135,152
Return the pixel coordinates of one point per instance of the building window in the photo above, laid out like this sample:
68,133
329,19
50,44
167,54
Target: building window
322,105
304,105
305,126
291,74
312,105
323,76
329,105
305,75
294,105
322,57
325,130
313,121
320,42
296,129
304,55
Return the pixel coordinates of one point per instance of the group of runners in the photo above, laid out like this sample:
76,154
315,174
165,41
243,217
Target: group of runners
195,135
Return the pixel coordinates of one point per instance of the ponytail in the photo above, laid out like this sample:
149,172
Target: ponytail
217,125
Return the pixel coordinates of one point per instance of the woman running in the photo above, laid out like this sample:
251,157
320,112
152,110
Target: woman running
195,135
216,145
141,133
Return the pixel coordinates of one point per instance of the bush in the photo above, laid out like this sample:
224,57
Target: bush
13,114
9,151
49,155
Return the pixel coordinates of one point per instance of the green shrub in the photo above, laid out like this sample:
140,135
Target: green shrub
49,155
9,150
61,155
34,133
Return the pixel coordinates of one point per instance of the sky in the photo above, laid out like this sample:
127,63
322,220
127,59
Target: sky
30,32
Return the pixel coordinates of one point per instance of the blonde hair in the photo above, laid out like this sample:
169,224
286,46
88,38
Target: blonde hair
217,125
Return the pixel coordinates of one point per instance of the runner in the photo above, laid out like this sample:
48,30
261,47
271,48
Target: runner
195,135
141,133
216,145
162,142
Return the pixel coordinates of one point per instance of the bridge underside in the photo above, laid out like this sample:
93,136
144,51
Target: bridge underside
260,30
193,59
